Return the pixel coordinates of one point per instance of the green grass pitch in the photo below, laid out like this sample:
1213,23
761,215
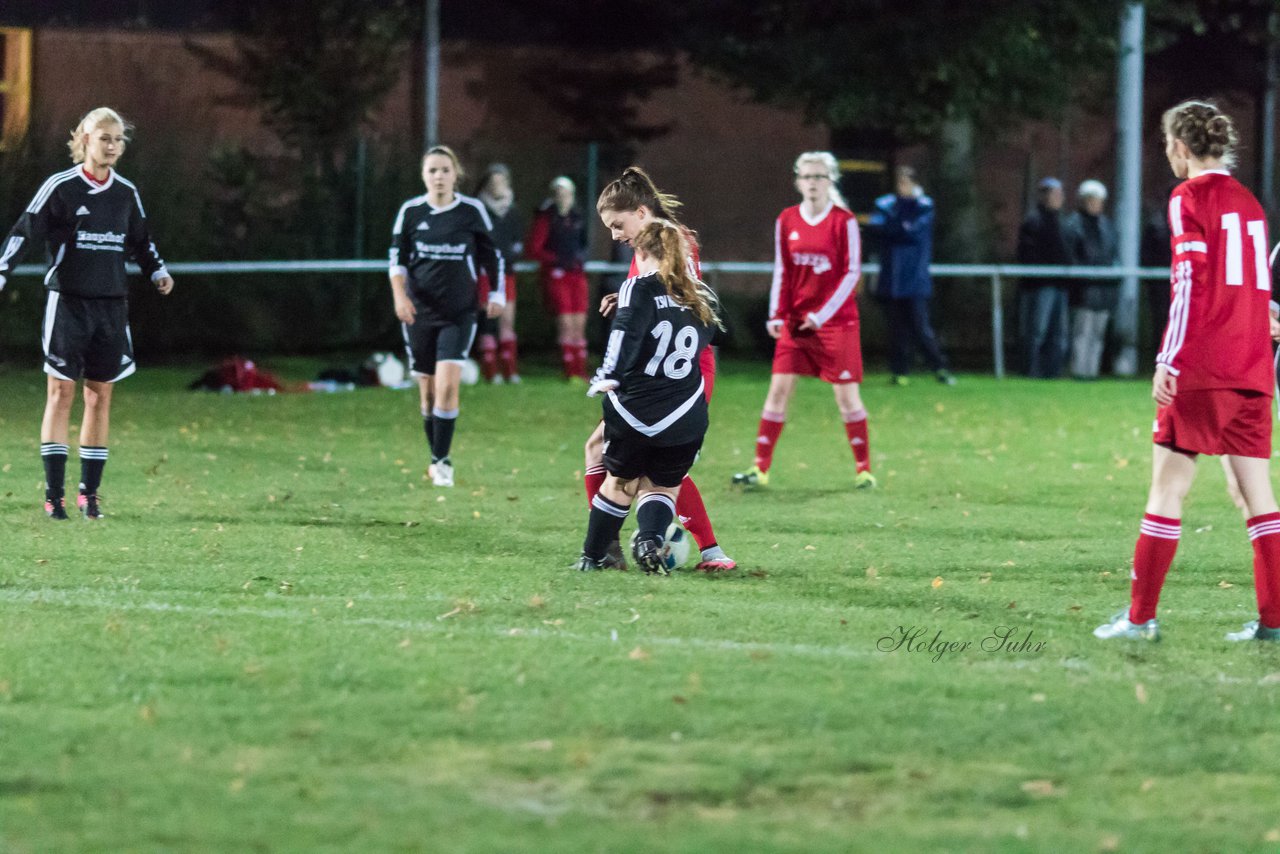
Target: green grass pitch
283,638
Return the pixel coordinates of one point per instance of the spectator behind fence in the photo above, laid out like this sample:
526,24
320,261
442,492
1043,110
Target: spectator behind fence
903,220
1091,240
1042,302
498,335
558,240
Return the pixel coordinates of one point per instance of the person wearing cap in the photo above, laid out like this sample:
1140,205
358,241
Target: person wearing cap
1042,302
1091,240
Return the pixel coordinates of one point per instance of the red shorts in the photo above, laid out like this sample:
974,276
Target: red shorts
482,287
831,353
565,291
1216,421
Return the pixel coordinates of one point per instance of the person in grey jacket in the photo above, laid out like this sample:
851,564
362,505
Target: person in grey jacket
1091,242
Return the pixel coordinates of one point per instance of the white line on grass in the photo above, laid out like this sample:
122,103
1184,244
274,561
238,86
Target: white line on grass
85,598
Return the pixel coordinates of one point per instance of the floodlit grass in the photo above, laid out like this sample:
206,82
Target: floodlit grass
284,639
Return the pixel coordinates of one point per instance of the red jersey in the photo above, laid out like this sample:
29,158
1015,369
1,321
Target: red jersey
816,266
1218,332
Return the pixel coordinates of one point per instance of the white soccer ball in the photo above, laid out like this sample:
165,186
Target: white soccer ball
470,372
676,548
391,370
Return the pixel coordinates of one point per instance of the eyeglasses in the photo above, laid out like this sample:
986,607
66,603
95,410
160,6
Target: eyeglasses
813,177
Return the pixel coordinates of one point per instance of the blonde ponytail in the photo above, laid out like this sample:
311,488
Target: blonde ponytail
665,241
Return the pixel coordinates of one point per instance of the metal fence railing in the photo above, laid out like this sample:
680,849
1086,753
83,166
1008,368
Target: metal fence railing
995,274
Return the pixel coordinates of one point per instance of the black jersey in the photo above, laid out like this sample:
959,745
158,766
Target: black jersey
437,250
508,235
653,351
87,230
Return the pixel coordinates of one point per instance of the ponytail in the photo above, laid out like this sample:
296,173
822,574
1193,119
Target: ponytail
666,241
1207,132
633,190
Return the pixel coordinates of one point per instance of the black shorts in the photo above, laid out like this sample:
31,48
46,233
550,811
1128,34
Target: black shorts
429,343
629,455
87,338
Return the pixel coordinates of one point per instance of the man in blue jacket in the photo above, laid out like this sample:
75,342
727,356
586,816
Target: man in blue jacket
903,220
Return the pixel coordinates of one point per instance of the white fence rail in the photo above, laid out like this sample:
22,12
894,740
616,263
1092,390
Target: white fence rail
994,273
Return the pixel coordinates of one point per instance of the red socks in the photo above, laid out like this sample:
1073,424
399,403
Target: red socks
507,353
488,357
693,514
771,424
592,480
573,358
1157,543
855,427
1264,532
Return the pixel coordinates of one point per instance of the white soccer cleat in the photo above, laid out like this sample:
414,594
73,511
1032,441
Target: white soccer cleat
442,473
1120,627
1254,630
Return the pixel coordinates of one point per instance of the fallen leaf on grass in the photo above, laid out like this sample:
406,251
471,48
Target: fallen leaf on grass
557,623
543,744
1272,835
872,572
638,654
1042,789
936,583
1038,698
536,601
1147,785
405,643
1225,585
635,615
1140,692
463,606
678,700
1269,679
1110,842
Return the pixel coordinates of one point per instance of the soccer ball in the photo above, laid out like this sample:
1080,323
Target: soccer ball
391,372
470,372
676,548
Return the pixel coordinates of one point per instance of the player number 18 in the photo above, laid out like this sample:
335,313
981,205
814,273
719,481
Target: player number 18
1235,250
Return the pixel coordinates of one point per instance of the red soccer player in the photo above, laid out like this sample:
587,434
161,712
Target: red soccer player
626,206
813,314
1214,377
558,240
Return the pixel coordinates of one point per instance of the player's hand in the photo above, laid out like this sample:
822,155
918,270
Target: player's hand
164,284
774,328
608,304
494,308
1,283
601,386
1164,386
405,311
809,325
1275,323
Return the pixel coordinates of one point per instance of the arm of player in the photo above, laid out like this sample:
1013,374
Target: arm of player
780,289
31,229
631,321
491,261
398,271
143,249
848,283
1189,274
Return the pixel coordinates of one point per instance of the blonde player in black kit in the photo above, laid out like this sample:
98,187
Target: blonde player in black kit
655,409
90,220
438,241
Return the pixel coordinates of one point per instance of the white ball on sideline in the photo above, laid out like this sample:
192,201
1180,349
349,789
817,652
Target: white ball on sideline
391,371
470,372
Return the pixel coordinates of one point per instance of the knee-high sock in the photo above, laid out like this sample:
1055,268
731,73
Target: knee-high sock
429,428
1152,556
442,439
1264,531
771,424
507,354
568,357
54,457
592,480
92,461
855,427
603,526
693,514
654,513
488,357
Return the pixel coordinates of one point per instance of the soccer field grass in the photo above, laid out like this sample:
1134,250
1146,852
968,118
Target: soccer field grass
284,639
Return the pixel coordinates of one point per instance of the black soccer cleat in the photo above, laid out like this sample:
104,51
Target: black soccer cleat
650,553
613,552
88,505
55,508
587,564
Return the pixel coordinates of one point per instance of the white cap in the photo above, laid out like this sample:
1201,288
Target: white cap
1092,188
